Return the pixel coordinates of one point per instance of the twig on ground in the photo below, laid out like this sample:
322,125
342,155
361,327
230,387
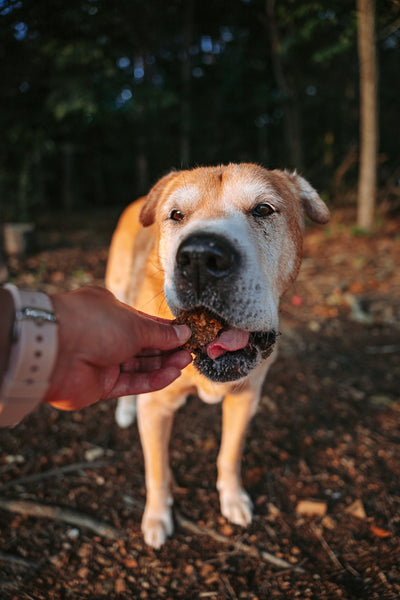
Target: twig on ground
228,586
239,546
51,473
65,515
222,539
18,561
328,549
388,349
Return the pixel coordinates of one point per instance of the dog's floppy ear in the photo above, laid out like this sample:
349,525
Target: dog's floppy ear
313,206
148,213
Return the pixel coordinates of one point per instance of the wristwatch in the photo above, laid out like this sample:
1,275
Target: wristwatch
32,357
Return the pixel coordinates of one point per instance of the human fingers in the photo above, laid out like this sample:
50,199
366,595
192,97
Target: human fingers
151,360
153,317
163,336
143,383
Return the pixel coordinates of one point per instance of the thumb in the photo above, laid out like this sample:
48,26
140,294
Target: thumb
164,336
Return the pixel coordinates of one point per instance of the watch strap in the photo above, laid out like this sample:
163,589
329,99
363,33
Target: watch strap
33,354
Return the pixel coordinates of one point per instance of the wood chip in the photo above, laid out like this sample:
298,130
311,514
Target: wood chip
311,508
120,585
356,510
273,511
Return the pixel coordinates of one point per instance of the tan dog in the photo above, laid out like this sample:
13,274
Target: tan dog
227,238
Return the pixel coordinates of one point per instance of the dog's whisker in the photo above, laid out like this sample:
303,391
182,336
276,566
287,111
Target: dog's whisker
162,304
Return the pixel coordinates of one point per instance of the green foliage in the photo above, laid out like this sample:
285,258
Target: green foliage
71,99
106,80
357,231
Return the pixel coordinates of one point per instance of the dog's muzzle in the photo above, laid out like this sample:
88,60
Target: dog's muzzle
207,270
232,366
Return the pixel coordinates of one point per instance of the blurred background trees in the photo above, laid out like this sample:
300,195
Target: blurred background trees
100,98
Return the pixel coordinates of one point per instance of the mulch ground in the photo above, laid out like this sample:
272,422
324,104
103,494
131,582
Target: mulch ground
321,462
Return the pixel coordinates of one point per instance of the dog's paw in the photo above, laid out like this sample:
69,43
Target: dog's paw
125,413
156,527
236,506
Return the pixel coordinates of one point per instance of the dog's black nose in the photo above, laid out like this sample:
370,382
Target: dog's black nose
204,257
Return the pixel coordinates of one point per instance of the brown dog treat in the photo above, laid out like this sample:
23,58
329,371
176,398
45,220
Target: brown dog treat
204,325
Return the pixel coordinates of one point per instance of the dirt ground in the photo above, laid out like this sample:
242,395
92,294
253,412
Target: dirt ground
321,462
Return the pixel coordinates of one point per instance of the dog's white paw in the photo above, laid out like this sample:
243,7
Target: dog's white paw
236,506
157,526
125,413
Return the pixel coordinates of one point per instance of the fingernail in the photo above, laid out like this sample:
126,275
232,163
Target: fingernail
183,332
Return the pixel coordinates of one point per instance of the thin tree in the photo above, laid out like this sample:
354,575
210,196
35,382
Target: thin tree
186,75
368,113
291,107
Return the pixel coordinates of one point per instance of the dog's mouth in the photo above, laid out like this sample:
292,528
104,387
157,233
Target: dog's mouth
233,353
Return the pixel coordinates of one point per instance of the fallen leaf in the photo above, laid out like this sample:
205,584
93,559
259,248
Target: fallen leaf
356,288
297,300
326,312
380,400
379,532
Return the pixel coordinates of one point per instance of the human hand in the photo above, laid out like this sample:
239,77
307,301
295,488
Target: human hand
107,349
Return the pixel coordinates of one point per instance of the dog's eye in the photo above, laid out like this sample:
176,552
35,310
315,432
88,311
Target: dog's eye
262,210
176,215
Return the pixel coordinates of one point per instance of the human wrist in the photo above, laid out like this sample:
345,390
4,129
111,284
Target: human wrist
61,310
74,312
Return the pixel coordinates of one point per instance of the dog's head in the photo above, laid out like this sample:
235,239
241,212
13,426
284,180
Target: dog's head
230,240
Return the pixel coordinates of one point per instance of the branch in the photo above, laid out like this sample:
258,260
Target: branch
222,539
51,473
33,509
389,349
328,549
238,546
18,561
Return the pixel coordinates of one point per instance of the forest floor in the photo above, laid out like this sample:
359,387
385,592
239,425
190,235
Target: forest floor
321,462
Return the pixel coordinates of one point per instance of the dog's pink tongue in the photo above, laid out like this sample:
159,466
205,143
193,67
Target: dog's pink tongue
229,341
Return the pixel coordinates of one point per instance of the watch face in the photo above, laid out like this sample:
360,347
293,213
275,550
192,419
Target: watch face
39,315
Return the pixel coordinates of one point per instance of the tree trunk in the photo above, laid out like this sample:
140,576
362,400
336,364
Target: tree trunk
68,179
23,190
186,75
291,110
142,171
368,113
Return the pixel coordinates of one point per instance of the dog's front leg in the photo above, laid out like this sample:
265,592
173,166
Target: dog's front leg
237,410
155,417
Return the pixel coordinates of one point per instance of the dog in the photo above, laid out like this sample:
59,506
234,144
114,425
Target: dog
229,239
